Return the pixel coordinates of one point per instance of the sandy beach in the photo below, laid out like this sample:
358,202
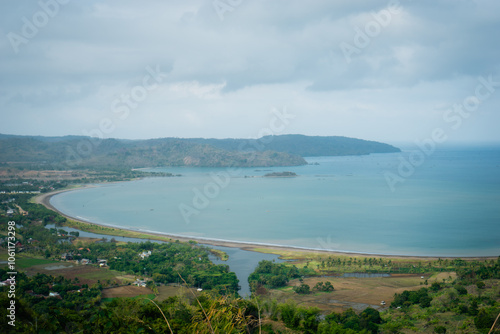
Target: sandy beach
44,199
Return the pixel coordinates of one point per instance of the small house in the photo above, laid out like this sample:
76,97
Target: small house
145,254
54,295
140,283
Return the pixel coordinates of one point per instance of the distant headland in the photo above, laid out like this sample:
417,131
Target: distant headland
70,152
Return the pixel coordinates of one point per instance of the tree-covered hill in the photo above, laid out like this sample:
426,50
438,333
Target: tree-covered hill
305,146
86,152
73,152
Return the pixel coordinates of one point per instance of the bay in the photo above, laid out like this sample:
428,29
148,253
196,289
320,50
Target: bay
447,206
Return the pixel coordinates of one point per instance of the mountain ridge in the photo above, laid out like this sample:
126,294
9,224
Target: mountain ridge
68,152
305,146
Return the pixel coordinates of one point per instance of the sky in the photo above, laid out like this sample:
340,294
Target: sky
392,71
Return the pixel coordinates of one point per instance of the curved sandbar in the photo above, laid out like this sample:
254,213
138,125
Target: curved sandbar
118,231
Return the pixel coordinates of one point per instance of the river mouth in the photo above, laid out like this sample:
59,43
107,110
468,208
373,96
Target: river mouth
242,262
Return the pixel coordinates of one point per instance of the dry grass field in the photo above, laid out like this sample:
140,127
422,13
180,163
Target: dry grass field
127,291
357,293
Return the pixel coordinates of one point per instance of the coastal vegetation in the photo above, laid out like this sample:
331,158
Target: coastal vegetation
55,304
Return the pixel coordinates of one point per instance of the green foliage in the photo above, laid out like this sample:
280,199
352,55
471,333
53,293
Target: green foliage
406,298
486,317
435,286
479,270
272,275
294,317
302,289
461,289
474,312
440,329
325,287
168,260
84,312
290,315
52,314
367,321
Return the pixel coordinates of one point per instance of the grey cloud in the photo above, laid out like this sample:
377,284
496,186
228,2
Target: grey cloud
96,46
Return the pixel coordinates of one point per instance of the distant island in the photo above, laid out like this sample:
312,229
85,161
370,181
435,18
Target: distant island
80,152
281,174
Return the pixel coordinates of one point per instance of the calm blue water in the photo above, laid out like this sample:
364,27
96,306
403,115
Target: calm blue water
243,263
449,205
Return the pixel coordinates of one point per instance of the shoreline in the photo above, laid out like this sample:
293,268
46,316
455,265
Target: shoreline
44,199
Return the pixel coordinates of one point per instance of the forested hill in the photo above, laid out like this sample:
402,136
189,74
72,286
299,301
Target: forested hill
74,152
304,146
84,152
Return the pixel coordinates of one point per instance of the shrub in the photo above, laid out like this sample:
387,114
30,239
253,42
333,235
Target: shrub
303,289
440,329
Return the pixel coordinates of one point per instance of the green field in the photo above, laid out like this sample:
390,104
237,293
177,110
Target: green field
23,262
101,275
30,262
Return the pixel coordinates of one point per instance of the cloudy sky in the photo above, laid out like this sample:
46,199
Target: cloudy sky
390,71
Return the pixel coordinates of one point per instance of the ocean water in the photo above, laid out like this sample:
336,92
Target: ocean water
447,205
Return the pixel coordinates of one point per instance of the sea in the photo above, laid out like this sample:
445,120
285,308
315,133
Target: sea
418,202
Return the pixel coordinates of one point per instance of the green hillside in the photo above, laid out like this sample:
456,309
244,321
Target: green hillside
83,152
305,146
73,152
